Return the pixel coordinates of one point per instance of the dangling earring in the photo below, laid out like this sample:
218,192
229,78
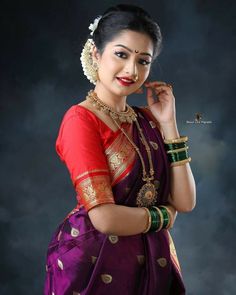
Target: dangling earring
96,67
89,68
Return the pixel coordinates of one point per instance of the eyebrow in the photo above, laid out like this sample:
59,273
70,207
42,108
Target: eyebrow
130,50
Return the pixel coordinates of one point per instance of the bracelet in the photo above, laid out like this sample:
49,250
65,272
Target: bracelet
149,220
173,146
165,216
158,218
174,157
155,219
167,211
176,140
179,163
177,150
161,218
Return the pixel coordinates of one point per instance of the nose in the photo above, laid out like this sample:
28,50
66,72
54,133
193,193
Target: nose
131,68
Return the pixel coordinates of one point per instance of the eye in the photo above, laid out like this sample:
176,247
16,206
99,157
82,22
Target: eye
144,62
121,54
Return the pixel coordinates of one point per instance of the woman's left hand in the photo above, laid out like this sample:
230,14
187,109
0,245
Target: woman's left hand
161,101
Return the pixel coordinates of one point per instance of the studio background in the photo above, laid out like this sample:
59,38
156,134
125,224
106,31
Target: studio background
41,77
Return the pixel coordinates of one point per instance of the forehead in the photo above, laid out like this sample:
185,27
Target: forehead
134,40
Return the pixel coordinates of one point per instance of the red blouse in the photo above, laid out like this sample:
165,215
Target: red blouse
96,156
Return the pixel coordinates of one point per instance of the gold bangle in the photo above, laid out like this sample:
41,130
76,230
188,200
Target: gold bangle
169,225
177,150
176,140
149,220
179,163
161,218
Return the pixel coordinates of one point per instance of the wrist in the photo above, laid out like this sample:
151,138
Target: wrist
170,130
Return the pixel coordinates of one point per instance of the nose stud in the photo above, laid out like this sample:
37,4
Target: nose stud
136,51
136,78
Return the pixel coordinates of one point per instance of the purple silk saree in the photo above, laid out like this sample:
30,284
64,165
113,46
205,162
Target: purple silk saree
81,260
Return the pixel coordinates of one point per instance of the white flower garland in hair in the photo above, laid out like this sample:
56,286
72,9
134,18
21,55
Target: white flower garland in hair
90,71
92,27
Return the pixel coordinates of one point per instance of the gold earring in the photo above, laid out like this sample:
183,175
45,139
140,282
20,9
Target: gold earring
90,71
96,67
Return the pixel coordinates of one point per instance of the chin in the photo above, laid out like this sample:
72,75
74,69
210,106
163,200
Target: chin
125,91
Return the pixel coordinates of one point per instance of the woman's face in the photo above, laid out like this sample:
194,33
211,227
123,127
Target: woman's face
126,58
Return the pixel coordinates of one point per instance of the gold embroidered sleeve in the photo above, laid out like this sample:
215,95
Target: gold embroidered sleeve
94,189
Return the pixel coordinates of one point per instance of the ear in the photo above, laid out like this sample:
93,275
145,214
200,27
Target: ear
95,54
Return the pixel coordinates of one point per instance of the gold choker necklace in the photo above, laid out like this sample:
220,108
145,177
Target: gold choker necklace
147,195
128,115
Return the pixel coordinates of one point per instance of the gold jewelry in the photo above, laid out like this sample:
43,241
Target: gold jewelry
176,140
136,78
128,115
149,220
136,51
177,150
147,195
87,62
179,163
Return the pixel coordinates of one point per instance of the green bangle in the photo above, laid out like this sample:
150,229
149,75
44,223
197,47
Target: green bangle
169,215
174,146
155,221
175,157
177,150
160,217
165,216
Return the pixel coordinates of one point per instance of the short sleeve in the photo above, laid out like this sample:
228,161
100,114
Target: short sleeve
79,145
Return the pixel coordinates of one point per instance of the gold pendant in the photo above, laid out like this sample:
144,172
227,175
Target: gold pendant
147,195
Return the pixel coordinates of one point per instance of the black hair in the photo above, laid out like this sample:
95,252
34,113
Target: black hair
126,17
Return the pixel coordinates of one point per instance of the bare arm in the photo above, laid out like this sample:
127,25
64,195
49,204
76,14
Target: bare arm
183,188
120,220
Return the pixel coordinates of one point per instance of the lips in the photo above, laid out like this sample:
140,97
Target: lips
125,81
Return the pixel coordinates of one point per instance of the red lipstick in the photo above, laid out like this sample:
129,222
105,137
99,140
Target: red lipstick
125,81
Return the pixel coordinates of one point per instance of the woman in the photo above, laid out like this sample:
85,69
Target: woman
129,167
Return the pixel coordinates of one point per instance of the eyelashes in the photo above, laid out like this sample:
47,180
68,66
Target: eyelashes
124,55
121,54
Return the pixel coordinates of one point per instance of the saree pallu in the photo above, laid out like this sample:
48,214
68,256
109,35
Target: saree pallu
82,260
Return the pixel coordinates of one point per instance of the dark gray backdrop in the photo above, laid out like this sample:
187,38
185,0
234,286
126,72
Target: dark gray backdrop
41,77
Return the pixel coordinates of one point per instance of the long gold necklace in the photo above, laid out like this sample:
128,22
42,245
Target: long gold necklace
147,195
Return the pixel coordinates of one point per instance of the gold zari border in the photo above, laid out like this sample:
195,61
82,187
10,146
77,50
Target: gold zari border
94,191
120,155
89,172
173,254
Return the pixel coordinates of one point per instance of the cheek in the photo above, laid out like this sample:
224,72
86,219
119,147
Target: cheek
110,66
144,72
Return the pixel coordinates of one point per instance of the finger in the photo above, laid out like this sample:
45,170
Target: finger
158,84
155,83
150,97
162,89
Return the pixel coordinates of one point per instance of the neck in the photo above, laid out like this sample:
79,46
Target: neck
118,103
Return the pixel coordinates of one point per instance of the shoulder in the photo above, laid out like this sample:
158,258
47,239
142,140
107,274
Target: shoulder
80,113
